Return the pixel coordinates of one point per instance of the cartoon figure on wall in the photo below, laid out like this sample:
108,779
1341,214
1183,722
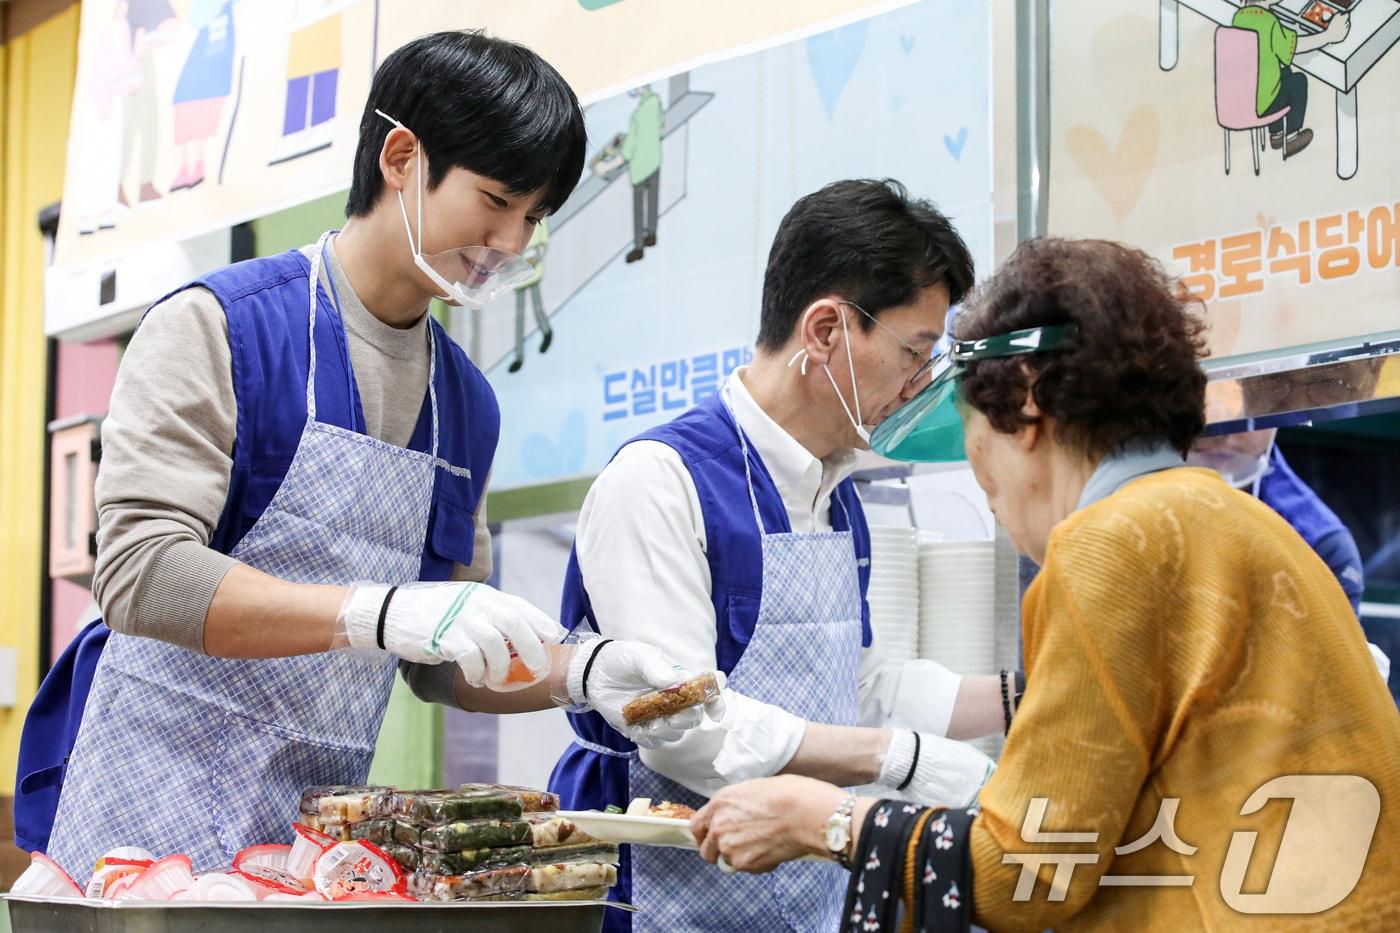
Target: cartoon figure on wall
115,74
530,288
153,25
204,85
1265,53
641,149
313,73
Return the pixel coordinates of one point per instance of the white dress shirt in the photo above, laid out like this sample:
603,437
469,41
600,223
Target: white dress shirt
641,551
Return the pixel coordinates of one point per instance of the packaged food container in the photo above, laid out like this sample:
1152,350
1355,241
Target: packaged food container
491,883
469,860
379,832
357,806
672,699
547,829
348,868
603,852
474,805
475,834
45,878
217,886
116,865
531,800
163,880
307,846
569,876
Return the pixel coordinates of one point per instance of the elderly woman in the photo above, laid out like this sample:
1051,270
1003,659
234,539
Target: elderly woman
1188,657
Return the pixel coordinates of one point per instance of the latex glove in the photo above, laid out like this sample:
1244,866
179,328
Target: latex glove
472,625
947,773
620,672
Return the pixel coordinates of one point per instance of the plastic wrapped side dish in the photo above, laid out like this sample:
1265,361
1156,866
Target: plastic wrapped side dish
672,699
475,834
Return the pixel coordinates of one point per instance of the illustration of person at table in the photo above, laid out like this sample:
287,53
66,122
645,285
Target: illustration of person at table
641,147
1279,85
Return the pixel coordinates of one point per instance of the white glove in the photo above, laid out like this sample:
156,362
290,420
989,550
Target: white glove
620,672
947,772
471,625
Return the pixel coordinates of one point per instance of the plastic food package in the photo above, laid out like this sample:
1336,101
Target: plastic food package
311,797
531,800
456,807
549,829
162,881
598,893
604,852
379,832
116,865
470,860
408,857
45,878
408,834
672,699
475,834
348,868
491,883
569,876
356,807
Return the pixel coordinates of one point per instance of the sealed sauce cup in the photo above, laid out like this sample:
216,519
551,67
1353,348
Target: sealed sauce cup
266,866
307,847
116,866
350,868
45,878
162,881
518,676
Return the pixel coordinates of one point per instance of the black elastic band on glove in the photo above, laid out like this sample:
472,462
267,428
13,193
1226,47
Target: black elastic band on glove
384,614
913,767
589,666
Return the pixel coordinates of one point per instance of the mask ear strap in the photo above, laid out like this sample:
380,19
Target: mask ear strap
418,151
803,354
851,365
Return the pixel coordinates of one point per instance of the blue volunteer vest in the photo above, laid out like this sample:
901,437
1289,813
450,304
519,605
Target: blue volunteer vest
265,303
708,445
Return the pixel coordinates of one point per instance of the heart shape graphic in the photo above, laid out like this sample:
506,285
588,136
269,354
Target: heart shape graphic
955,145
906,43
1118,173
832,58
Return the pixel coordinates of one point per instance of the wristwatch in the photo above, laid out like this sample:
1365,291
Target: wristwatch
838,831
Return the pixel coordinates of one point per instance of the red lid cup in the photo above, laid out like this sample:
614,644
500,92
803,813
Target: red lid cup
307,846
272,856
161,881
268,881
45,878
350,868
115,865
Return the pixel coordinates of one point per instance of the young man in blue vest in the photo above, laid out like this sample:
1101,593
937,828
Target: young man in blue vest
733,536
281,432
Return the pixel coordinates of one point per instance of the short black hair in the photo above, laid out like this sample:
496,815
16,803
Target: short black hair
869,242
484,104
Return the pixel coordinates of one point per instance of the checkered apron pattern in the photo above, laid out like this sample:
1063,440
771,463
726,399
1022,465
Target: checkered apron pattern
179,752
803,656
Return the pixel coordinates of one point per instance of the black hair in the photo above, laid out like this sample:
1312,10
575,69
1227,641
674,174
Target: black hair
867,241
484,104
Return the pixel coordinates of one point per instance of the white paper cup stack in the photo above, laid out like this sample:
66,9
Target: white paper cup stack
957,604
894,591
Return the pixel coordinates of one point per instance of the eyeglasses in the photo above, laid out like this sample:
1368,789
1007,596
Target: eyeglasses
928,428
920,359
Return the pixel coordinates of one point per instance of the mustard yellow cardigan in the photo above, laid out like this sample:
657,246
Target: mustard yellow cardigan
1182,641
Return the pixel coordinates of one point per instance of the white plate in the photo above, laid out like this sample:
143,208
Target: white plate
637,830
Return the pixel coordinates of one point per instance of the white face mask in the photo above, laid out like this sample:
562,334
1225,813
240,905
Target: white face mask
471,276
853,415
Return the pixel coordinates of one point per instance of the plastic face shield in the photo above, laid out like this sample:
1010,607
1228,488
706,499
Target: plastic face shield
929,427
470,276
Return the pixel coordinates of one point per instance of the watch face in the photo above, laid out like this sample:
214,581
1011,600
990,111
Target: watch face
837,837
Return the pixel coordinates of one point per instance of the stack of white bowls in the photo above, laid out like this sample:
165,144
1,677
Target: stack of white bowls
957,604
894,591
